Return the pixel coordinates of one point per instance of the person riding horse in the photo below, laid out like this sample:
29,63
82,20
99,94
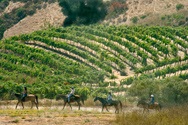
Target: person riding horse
71,93
24,94
152,100
109,98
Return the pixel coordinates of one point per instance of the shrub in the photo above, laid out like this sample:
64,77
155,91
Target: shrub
168,91
179,6
83,11
21,13
134,19
143,16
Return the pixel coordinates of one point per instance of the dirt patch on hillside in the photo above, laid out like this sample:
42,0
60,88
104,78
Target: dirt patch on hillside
51,15
11,7
149,11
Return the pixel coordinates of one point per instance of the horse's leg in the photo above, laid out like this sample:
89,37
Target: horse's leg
22,104
31,104
117,109
106,108
17,104
79,104
70,105
64,105
36,104
102,108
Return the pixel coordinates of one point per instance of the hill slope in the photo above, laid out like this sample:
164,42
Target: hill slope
145,12
50,15
56,54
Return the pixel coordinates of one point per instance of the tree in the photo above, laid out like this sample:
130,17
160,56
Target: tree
83,11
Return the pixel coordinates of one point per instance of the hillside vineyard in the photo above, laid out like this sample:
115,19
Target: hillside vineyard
76,53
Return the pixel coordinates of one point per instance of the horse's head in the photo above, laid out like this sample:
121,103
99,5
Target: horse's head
17,95
60,96
142,103
95,99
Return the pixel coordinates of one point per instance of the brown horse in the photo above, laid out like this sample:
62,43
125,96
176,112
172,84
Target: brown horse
74,98
147,106
115,103
30,97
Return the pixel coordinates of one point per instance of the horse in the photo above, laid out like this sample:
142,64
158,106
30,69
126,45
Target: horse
74,98
115,103
148,106
30,97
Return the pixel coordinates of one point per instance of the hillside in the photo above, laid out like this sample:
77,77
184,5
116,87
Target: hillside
37,51
153,12
145,12
104,52
50,15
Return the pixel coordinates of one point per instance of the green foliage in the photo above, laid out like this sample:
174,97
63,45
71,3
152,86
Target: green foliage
83,11
42,61
179,6
21,13
143,16
102,92
167,91
135,19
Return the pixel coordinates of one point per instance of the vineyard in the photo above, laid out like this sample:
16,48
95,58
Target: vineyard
80,55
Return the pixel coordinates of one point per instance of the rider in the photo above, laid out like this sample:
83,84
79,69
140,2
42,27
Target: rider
24,94
71,93
109,98
152,99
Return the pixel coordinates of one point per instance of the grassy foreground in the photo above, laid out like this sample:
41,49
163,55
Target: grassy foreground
177,115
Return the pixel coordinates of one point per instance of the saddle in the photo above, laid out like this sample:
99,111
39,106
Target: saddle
73,96
153,105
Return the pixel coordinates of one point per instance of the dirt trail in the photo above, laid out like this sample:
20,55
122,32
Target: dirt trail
54,115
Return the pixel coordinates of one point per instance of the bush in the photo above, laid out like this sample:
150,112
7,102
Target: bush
134,19
21,13
179,6
83,11
168,91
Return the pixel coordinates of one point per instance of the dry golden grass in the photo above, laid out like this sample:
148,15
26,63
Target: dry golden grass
177,115
48,116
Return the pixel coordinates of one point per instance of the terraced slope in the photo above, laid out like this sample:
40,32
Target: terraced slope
89,54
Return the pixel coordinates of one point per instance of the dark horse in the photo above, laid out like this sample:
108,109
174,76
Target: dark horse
115,103
74,98
30,97
148,106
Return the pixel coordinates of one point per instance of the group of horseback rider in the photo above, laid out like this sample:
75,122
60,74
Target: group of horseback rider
71,94
24,94
72,91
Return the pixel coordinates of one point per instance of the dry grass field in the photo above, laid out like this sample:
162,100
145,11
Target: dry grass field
50,113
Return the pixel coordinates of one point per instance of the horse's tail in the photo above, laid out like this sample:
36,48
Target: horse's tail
121,105
36,97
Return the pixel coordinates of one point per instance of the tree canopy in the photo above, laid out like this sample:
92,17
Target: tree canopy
83,11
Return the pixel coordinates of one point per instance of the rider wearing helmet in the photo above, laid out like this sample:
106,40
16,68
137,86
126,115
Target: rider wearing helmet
71,93
152,99
109,98
24,94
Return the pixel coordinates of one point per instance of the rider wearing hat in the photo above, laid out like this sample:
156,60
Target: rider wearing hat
109,98
71,93
24,94
152,99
